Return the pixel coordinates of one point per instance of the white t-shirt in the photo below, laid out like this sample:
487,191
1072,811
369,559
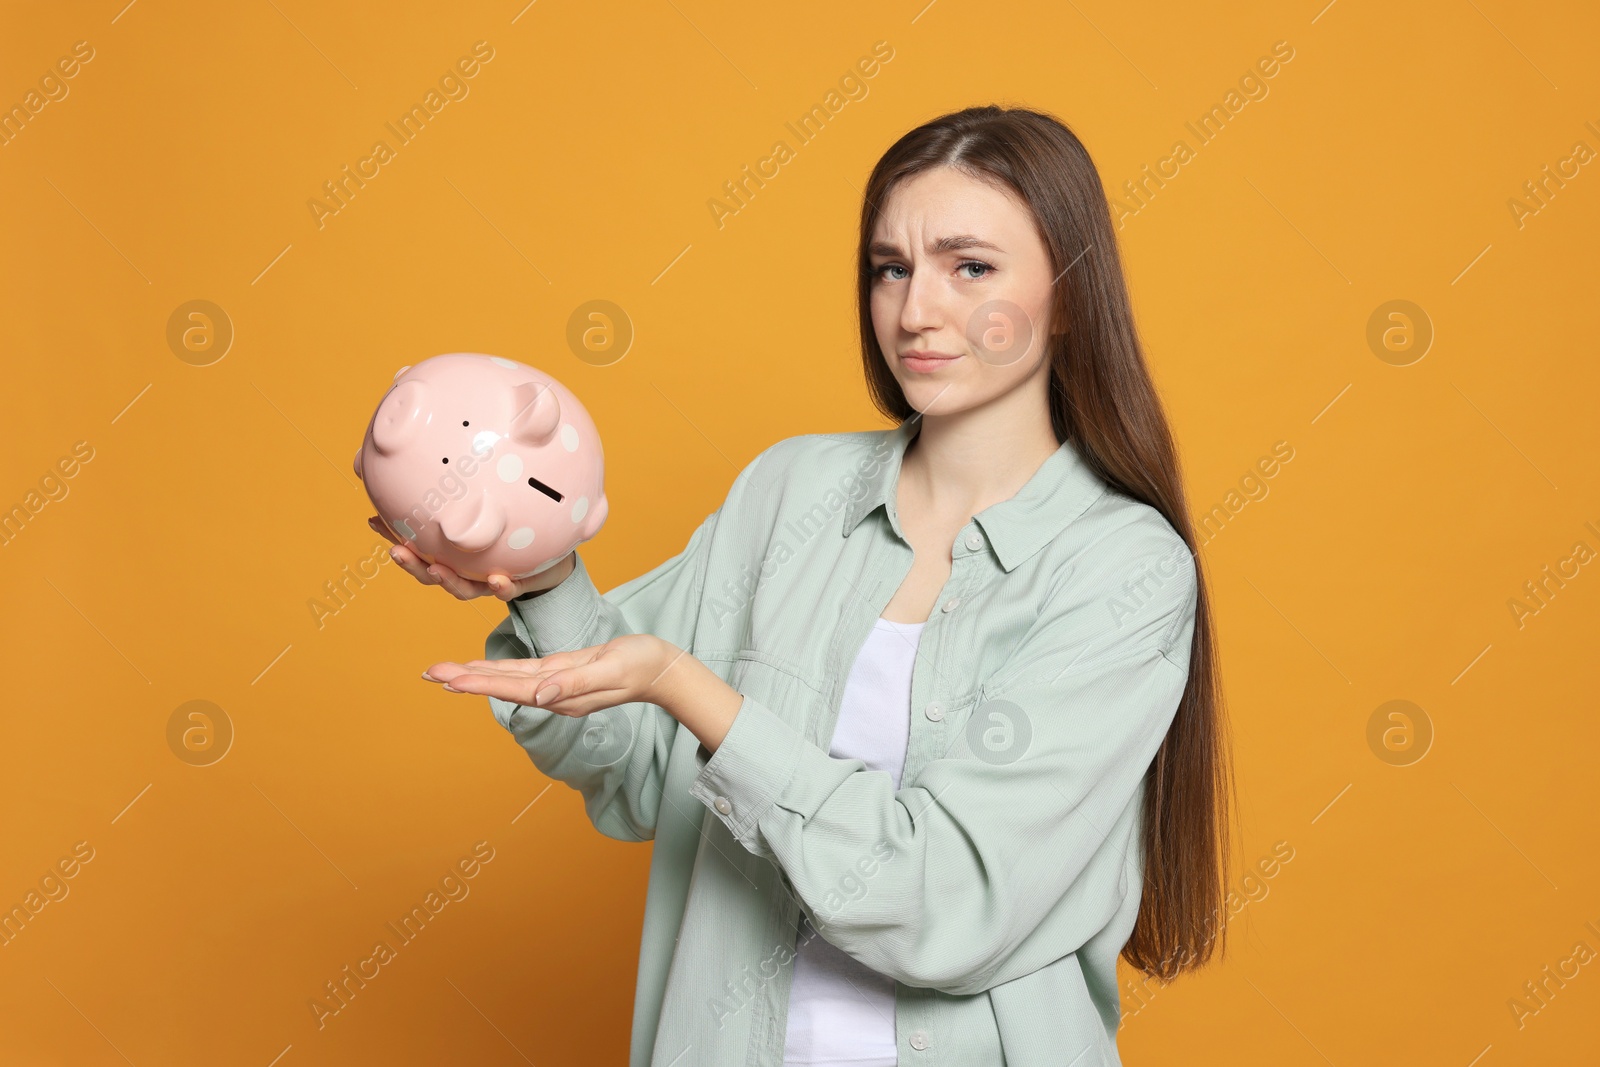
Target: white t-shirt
841,1012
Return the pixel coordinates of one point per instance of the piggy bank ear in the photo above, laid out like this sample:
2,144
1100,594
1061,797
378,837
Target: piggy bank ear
400,416
537,413
357,463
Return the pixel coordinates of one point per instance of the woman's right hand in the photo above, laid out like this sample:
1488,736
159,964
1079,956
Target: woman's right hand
499,585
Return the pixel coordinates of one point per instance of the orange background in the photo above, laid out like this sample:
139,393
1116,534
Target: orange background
1422,894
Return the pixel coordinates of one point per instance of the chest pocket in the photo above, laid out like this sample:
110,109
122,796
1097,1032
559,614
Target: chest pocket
939,730
993,730
780,687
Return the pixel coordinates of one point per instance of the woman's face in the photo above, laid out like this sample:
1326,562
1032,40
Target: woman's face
959,272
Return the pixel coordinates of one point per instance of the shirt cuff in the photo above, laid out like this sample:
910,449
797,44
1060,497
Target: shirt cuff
750,769
563,618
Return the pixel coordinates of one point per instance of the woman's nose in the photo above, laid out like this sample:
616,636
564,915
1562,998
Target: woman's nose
923,306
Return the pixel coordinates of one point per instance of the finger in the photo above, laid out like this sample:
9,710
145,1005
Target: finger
585,703
525,689
554,661
461,588
516,688
444,672
490,665
383,528
498,666
488,672
522,687
412,564
599,675
504,588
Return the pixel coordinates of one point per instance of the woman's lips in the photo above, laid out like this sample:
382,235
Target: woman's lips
927,363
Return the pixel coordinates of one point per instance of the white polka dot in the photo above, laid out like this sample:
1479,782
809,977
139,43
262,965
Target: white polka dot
506,363
580,509
509,468
521,537
403,530
483,442
569,437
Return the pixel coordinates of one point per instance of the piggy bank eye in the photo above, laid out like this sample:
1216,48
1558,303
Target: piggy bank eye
545,489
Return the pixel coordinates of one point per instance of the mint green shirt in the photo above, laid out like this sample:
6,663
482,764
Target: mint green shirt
998,885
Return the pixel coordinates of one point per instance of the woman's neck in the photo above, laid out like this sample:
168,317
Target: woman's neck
960,464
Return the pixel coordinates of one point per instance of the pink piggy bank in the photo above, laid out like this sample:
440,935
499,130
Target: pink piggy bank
485,465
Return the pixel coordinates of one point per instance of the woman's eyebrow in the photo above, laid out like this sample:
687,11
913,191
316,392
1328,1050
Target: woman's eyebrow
955,243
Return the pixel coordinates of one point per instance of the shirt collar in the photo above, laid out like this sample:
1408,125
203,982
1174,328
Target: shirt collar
1060,490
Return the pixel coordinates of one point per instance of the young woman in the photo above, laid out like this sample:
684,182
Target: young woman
924,722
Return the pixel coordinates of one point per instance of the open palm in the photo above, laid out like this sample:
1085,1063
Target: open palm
586,680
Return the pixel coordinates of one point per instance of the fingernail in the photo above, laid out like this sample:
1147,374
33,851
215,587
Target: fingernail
448,688
549,692
429,677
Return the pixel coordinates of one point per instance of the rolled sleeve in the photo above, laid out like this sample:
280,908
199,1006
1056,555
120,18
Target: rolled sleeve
563,618
751,768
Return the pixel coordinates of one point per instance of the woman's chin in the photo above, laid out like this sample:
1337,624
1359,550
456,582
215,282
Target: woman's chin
936,398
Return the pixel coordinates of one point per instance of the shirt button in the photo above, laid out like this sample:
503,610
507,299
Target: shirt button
722,805
974,540
934,711
950,605
919,1041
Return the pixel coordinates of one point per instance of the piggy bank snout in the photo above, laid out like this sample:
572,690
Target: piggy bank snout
473,523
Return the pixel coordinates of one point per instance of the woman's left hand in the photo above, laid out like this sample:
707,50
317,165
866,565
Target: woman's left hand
623,670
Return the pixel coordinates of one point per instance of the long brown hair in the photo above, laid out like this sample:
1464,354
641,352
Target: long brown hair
1102,400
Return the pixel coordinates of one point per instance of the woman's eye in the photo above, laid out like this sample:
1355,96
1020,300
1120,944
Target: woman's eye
983,270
